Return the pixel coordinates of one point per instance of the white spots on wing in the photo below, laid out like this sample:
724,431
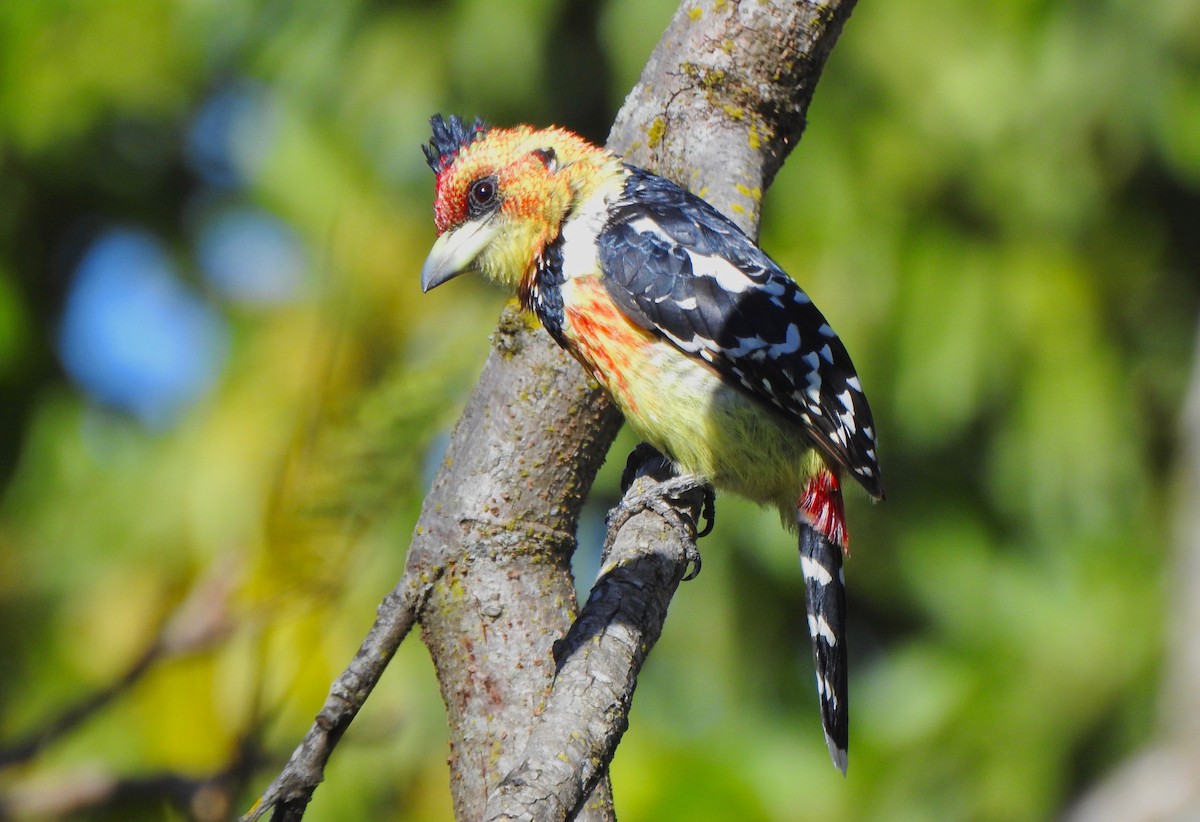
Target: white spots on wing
813,391
790,345
728,276
848,420
815,571
646,225
847,417
827,355
747,345
825,331
687,303
854,383
693,346
800,298
774,287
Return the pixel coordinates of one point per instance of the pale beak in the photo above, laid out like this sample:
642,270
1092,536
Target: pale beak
454,252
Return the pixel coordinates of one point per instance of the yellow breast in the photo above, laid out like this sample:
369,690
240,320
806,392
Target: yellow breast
682,406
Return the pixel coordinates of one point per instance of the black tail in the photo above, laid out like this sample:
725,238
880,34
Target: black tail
825,596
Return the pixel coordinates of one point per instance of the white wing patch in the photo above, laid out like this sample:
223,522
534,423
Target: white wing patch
730,278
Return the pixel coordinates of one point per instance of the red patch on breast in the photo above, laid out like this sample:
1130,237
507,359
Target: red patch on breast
608,345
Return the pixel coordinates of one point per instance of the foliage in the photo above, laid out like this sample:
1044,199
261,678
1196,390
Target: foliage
995,204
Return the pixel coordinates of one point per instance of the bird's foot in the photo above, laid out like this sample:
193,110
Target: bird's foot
667,498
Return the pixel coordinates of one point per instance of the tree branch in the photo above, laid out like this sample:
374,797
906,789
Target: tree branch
720,105
725,95
289,793
588,709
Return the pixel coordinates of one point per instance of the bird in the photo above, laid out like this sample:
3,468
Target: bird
715,356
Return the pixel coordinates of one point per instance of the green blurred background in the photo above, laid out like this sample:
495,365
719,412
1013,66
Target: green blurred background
220,389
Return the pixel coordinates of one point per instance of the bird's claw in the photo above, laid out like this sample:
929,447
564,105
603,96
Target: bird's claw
659,501
691,555
708,512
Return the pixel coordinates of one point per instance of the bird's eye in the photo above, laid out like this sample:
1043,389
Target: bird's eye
482,196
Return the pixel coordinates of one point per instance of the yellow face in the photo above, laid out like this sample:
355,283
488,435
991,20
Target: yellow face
501,200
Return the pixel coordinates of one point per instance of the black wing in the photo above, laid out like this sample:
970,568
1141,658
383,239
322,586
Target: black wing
679,268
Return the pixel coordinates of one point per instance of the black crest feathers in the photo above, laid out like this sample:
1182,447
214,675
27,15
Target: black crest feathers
450,137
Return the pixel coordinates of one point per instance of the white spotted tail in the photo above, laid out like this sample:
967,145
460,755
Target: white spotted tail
825,598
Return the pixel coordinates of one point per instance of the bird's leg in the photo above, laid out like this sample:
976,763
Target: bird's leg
646,461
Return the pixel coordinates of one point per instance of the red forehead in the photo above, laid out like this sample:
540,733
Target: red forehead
450,200
500,153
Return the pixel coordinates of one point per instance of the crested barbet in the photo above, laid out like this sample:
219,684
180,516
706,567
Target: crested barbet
715,356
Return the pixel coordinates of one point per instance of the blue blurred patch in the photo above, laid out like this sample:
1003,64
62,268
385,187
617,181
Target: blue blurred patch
251,256
231,135
133,336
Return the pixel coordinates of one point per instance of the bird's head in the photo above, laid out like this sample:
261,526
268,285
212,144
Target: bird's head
502,196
